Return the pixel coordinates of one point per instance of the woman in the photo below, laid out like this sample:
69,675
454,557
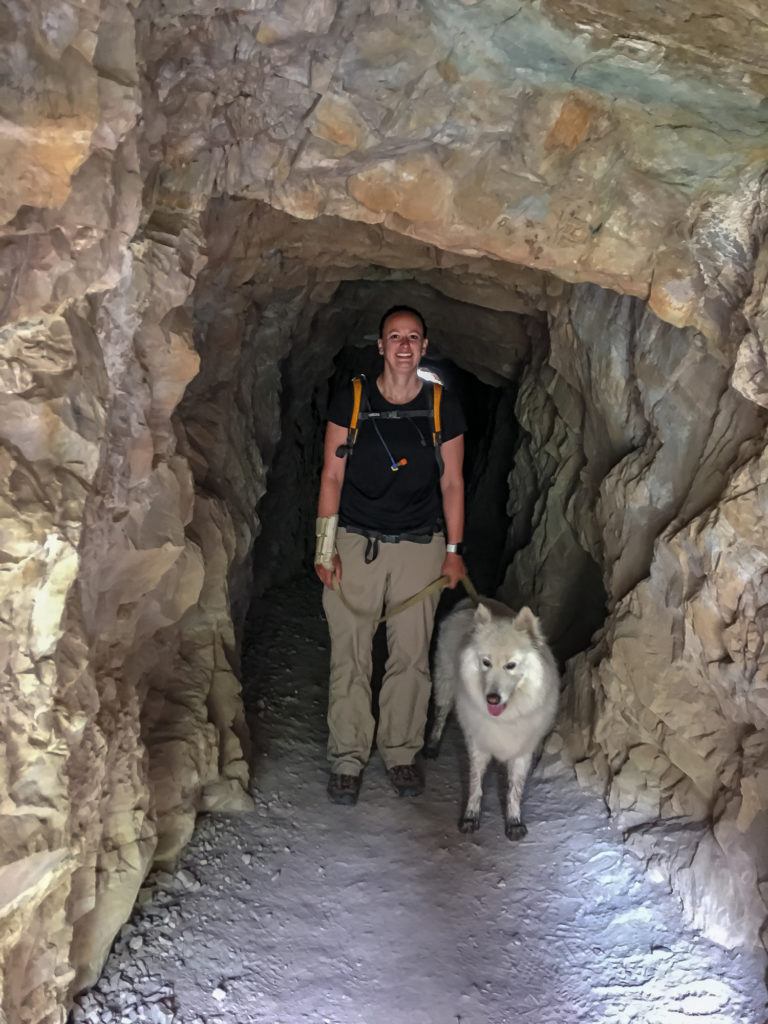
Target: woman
390,519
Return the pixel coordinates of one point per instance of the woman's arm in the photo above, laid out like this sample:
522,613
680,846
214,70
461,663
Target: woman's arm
331,480
452,488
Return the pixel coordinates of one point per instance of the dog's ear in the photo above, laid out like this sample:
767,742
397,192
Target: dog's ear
482,614
527,622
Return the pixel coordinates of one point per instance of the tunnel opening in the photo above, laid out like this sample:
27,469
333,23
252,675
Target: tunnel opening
590,442
608,448
498,523
487,345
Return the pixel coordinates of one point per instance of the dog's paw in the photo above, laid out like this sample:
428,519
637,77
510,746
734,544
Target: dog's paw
469,823
431,749
515,829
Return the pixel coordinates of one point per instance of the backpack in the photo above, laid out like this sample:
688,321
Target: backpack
361,410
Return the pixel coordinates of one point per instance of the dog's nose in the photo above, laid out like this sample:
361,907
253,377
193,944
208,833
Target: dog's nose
493,698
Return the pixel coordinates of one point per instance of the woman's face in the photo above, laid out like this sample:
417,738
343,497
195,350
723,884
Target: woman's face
402,343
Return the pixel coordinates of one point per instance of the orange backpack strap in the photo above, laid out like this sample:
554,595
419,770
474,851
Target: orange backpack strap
437,394
437,434
357,391
357,395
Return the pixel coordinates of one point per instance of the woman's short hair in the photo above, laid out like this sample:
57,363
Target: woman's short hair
402,309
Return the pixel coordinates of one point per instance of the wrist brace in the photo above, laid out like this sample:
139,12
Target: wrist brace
325,535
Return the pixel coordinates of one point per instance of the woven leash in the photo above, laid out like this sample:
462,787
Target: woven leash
431,588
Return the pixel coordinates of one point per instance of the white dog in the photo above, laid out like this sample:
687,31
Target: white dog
497,669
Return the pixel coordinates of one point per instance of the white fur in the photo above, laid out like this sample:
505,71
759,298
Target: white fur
492,650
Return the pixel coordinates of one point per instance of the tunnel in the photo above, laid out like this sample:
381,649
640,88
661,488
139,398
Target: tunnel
208,206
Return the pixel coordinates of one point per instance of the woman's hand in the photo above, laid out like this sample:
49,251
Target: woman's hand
453,568
326,576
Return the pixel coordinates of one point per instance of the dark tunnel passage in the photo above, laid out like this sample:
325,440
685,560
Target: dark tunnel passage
285,310
498,522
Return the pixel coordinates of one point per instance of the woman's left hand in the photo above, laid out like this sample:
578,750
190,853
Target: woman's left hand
454,569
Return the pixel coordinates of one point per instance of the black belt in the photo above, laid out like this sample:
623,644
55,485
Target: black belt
375,537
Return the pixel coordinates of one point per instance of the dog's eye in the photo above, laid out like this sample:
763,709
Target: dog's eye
511,666
486,662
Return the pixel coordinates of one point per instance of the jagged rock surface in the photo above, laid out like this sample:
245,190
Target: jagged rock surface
190,186
649,465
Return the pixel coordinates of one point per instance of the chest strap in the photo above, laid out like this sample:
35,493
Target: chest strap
362,410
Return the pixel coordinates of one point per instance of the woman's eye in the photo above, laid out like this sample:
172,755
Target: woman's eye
511,666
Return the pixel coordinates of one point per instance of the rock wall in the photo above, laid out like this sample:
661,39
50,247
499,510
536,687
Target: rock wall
116,611
648,462
190,184
114,575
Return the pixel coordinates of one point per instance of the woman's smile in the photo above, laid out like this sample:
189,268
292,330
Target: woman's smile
403,343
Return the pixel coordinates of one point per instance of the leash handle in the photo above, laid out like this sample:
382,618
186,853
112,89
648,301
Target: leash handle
472,594
421,595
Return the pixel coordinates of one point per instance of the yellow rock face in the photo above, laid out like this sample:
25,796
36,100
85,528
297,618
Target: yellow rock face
415,187
46,156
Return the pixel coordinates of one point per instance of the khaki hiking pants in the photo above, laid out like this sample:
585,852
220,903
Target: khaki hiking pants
399,571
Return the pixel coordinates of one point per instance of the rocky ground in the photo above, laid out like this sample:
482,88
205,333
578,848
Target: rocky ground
309,912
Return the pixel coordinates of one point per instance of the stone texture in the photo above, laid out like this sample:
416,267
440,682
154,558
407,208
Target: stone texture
750,372
207,201
669,504
609,156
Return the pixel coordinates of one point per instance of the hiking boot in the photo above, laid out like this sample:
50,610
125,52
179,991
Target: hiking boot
343,789
407,780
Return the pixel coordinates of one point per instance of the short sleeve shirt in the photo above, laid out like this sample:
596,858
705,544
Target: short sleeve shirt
376,496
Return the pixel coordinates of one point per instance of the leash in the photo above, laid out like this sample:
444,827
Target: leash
421,595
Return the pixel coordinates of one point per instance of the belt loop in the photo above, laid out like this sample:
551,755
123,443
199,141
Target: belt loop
371,550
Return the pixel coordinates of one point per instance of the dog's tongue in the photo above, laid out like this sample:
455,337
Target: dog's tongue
496,709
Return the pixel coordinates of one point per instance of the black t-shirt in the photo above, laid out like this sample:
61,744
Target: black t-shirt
376,497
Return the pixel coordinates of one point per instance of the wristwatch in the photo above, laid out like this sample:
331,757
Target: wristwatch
455,549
